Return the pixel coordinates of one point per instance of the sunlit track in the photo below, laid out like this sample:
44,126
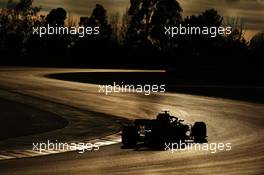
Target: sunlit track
237,122
105,141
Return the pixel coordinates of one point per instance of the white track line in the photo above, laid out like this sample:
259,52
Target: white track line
108,140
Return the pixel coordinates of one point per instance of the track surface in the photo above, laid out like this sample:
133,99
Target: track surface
240,123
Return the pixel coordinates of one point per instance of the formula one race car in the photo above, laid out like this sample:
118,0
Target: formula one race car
165,128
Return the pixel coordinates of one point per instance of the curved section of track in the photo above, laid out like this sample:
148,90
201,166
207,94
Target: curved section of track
235,122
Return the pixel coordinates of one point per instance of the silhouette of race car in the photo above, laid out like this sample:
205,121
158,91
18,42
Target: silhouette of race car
164,129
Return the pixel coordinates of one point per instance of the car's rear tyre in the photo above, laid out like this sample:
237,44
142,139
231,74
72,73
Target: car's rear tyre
199,132
129,136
